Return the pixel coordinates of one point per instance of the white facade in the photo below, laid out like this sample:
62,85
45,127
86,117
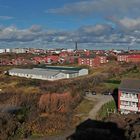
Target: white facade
2,50
47,74
129,102
83,72
18,50
7,50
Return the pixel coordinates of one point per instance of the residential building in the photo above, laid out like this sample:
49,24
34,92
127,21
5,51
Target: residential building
49,73
52,58
103,59
92,60
129,96
122,57
128,57
133,58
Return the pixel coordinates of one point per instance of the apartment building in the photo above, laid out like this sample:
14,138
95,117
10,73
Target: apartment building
129,96
128,58
92,60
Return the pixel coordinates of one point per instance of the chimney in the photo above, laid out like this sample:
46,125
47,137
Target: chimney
76,46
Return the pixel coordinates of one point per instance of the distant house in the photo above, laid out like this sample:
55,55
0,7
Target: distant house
92,60
125,57
129,96
52,58
38,60
134,58
19,50
122,57
49,73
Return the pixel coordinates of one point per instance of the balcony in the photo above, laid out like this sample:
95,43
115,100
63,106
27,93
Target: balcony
131,108
130,99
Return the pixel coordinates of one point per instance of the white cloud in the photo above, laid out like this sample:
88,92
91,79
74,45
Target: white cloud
6,17
11,34
99,29
100,33
100,7
129,24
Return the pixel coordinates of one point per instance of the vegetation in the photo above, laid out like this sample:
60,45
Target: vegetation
48,107
107,109
84,108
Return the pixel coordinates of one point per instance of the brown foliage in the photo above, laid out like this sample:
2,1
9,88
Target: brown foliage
55,102
8,126
54,123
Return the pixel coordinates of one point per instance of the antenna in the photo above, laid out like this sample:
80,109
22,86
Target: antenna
133,40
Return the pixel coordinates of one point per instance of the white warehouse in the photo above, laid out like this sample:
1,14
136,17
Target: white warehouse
49,72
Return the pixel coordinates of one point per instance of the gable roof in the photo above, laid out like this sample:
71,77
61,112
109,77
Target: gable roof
130,85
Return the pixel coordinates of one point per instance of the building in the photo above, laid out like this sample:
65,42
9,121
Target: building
134,58
128,57
122,57
129,96
19,50
92,60
49,73
2,50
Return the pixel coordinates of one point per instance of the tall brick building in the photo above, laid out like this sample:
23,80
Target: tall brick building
92,60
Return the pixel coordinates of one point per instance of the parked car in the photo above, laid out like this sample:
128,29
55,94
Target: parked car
107,93
90,92
93,92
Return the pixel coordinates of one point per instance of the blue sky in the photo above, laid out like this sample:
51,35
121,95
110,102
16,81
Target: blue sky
49,23
24,13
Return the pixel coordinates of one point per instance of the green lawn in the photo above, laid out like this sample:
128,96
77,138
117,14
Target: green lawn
111,86
106,108
84,108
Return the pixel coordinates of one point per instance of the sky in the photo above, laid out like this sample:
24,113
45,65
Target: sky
94,24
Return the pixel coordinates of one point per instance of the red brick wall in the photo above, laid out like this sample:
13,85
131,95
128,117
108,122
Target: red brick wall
96,62
86,61
103,59
133,59
92,62
122,58
129,58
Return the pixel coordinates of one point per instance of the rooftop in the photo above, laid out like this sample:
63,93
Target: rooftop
34,71
63,68
40,71
130,84
88,56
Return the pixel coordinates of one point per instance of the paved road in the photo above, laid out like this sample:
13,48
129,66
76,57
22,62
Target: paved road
101,100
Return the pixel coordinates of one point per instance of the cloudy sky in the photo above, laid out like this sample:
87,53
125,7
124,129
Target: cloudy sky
59,23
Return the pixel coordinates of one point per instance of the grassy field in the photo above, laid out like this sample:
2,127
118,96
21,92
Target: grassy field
84,108
110,86
106,108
